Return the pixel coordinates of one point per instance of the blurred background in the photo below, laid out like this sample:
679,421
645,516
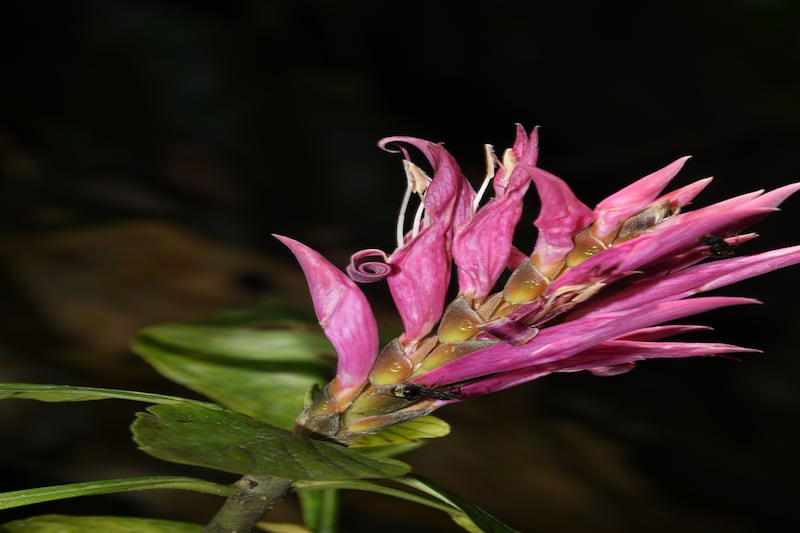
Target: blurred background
149,148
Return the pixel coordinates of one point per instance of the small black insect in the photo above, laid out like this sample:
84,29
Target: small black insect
718,247
414,392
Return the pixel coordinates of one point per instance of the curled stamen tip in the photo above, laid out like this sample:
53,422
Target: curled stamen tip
361,270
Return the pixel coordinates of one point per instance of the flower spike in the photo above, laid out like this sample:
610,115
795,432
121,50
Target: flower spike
593,294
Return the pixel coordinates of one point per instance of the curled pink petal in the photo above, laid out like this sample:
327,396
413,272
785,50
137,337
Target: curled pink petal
389,144
362,271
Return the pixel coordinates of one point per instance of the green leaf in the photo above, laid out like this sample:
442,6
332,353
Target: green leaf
469,516
262,369
231,442
277,342
411,432
54,523
474,519
19,498
270,311
69,393
303,487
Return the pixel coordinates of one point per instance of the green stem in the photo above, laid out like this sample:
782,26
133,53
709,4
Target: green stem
254,496
320,509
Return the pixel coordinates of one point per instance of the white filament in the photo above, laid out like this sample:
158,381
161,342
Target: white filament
488,151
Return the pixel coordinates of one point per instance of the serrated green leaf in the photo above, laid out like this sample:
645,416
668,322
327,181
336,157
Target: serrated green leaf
18,498
258,371
474,519
231,442
97,524
411,432
70,393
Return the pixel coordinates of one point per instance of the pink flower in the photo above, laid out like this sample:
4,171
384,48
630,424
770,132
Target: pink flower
590,295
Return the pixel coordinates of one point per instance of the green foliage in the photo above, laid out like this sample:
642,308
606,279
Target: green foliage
70,393
96,524
231,442
469,516
402,437
257,365
19,498
320,509
249,361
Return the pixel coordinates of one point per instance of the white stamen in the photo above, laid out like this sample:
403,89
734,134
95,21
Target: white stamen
488,150
402,216
417,220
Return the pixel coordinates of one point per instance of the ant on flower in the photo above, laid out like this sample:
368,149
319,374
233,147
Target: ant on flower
414,392
718,247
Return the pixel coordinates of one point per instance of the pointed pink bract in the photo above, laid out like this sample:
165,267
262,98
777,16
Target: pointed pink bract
343,312
482,248
634,198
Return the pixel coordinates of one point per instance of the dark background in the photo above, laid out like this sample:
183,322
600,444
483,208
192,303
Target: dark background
148,149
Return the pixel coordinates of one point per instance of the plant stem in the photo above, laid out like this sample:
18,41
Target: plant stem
254,496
